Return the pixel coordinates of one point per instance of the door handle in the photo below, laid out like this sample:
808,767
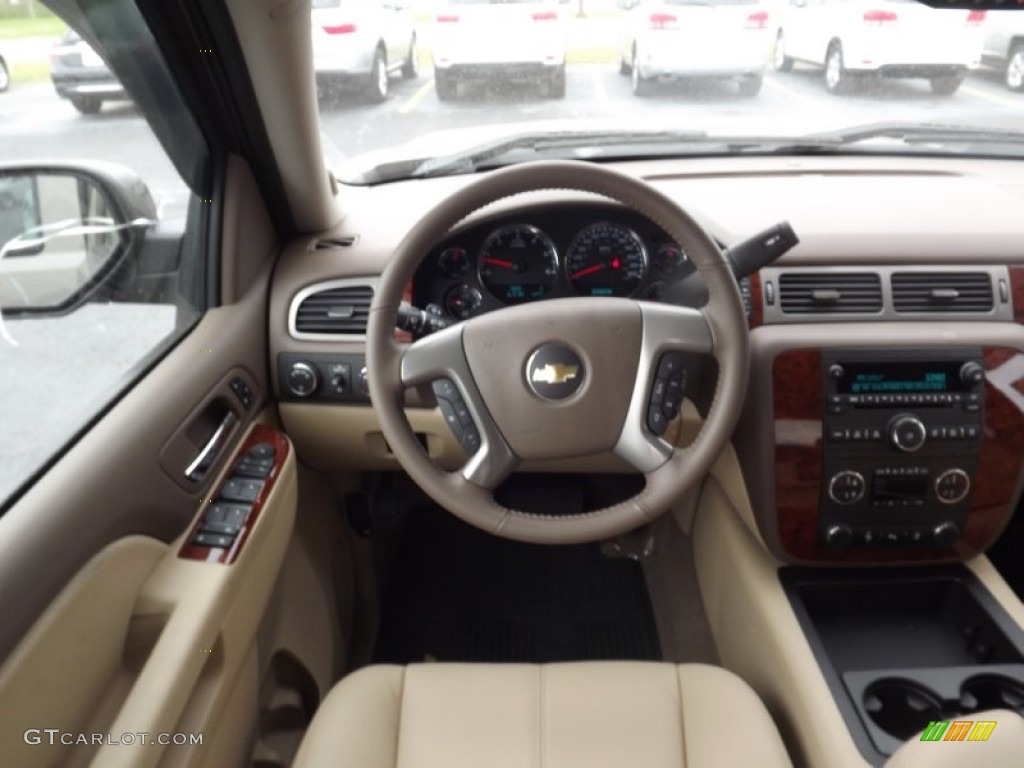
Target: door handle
197,470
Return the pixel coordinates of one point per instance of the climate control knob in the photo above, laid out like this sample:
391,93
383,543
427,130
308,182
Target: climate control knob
302,379
846,487
945,534
364,382
952,486
907,433
838,536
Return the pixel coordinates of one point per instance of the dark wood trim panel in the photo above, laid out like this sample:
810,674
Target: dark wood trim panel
260,433
798,413
756,301
1017,292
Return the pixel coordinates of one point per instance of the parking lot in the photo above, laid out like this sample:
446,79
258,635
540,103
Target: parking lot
34,123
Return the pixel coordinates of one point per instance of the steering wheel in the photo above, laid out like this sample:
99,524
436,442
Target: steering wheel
560,378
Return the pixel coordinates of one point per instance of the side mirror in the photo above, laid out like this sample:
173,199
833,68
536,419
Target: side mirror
64,229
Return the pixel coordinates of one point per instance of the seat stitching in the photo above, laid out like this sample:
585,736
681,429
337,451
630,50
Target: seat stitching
398,728
682,716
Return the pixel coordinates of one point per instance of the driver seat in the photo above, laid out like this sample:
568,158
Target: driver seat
579,715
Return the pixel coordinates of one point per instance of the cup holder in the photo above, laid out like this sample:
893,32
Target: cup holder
992,692
901,707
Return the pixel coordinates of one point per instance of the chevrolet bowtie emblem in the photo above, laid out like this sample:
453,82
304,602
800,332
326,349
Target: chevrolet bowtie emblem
554,373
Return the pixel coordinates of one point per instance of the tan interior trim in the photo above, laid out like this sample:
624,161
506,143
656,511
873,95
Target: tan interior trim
759,638
72,671
247,235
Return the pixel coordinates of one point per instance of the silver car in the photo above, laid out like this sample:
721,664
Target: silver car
1003,46
365,42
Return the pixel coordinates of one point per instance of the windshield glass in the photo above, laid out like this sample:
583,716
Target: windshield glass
454,86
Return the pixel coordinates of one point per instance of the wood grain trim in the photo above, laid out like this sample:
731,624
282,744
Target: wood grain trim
756,301
260,433
1017,292
798,425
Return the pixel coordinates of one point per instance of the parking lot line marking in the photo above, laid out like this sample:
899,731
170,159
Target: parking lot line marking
998,99
771,82
416,98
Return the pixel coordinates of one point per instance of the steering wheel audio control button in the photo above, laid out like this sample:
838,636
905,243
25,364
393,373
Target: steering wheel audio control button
666,392
456,415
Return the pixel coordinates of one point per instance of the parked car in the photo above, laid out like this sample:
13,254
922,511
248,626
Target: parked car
363,41
5,74
889,38
696,38
81,76
1003,46
519,40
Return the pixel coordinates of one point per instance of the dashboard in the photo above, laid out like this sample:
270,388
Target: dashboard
899,301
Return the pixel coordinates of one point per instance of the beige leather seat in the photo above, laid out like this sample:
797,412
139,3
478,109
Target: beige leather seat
580,715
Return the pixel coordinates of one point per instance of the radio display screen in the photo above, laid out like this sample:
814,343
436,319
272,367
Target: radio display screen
898,378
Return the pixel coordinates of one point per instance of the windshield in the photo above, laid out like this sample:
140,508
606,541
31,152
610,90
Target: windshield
411,89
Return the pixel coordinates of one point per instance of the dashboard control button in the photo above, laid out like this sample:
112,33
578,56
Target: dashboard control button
241,489
952,486
945,534
471,440
972,374
846,487
364,382
302,379
656,420
838,536
907,433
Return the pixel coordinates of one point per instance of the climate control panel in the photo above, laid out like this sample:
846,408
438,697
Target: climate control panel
902,431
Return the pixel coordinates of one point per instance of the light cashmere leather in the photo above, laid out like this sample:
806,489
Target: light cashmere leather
1004,748
576,715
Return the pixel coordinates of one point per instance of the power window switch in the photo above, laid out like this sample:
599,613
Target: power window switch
213,540
241,489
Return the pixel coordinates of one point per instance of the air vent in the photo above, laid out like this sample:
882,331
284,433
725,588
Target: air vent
942,291
342,309
807,293
330,243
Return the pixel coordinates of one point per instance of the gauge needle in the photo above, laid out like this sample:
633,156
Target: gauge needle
587,271
499,263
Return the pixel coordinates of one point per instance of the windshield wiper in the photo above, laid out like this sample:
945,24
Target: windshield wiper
533,145
916,133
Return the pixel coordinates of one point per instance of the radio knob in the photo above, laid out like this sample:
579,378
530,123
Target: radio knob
972,374
838,536
364,382
945,534
846,487
907,433
302,379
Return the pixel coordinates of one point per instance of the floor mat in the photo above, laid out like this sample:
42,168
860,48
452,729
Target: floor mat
459,594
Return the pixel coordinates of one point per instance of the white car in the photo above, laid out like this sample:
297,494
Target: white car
522,40
696,38
889,38
1003,46
5,74
365,41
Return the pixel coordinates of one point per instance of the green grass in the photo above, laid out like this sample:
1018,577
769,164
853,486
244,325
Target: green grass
24,72
595,54
44,26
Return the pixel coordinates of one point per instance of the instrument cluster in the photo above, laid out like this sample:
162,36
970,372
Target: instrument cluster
545,253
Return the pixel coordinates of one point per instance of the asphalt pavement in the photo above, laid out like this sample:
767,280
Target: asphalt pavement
35,123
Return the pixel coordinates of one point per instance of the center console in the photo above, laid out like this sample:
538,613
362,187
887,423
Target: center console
902,433
886,454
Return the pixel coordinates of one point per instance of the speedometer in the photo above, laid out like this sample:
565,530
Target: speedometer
518,263
606,260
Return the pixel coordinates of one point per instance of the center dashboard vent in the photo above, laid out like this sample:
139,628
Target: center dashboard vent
332,309
830,292
942,291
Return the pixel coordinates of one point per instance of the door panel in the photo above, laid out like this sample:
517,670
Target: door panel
106,628
145,640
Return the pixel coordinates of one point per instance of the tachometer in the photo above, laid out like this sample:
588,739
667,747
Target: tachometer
606,260
518,263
